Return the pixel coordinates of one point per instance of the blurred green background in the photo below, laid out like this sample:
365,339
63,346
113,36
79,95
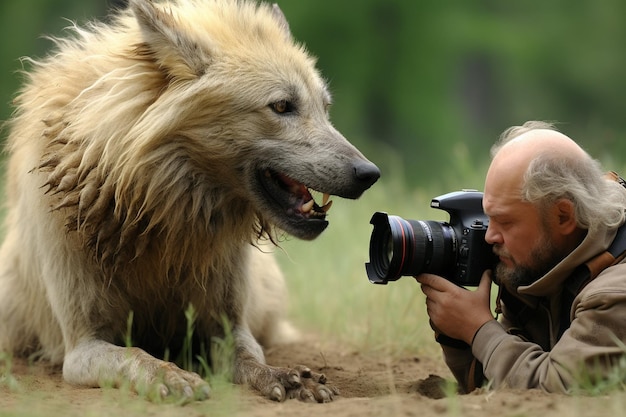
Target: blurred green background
424,87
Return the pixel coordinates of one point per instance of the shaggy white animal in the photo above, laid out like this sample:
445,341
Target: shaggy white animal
147,156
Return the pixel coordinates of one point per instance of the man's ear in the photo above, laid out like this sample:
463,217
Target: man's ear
566,214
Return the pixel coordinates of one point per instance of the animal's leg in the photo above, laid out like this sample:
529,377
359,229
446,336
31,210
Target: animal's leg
266,305
12,319
96,363
27,326
276,383
9,327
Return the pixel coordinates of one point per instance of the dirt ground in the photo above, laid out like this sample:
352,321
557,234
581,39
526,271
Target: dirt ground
369,385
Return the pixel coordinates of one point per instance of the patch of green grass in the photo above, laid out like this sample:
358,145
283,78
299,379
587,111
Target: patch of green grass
595,380
6,377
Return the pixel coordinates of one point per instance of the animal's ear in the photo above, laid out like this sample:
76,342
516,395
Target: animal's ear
282,20
166,40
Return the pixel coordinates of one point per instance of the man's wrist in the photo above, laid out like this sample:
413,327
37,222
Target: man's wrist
478,330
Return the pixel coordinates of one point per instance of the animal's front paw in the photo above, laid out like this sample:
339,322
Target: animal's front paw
171,382
99,363
299,382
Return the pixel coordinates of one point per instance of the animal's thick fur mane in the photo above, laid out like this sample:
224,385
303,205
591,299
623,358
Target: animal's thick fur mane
128,161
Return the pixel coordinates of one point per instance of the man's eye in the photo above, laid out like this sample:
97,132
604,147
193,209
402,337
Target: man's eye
282,107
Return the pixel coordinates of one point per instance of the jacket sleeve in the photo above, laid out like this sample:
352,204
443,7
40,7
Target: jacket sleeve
467,370
588,346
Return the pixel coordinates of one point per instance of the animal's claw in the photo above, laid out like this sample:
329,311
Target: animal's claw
301,383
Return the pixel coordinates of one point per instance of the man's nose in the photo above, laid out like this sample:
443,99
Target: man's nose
492,236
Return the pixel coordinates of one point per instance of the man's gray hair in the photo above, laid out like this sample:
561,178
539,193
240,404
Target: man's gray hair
598,199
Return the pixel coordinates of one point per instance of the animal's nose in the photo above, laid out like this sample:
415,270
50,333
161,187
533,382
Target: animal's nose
366,173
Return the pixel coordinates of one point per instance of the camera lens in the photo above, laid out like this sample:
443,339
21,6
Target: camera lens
400,247
386,249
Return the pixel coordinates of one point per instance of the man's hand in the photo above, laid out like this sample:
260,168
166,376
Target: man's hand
455,311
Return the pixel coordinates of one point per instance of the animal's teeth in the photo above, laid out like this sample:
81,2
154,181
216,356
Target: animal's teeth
325,199
327,206
306,207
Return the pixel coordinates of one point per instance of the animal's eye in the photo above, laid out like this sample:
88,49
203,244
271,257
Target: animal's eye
282,107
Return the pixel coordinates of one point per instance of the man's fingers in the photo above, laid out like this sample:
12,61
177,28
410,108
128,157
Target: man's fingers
424,279
434,281
485,282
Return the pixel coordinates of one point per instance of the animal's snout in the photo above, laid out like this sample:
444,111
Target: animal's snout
366,173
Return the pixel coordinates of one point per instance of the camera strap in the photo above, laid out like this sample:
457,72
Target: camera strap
587,272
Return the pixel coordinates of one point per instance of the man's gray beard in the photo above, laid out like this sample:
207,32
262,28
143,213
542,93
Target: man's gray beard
545,257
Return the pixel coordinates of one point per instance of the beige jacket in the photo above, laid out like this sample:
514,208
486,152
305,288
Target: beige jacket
532,355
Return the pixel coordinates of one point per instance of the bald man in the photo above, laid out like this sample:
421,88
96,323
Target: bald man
551,209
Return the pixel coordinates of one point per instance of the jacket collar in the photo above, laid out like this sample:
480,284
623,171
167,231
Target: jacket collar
595,242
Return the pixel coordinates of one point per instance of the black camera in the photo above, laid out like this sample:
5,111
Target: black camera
456,250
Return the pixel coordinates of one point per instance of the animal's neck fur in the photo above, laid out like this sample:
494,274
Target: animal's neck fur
173,215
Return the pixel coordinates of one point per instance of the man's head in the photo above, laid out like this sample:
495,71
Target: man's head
542,193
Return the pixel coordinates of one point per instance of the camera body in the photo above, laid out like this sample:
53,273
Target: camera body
455,250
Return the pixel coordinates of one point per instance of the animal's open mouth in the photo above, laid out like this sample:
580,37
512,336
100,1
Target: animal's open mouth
300,214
